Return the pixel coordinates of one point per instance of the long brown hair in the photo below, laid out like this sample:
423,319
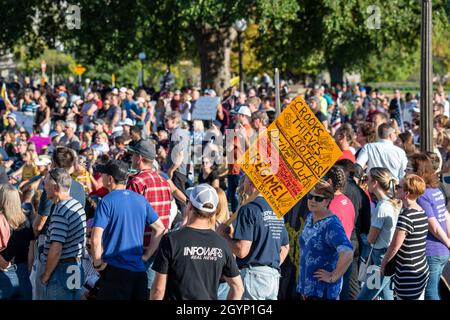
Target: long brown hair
423,167
11,206
222,213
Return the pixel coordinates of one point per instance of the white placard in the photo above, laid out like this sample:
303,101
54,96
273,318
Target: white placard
205,108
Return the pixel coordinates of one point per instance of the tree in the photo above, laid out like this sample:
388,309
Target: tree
342,35
166,30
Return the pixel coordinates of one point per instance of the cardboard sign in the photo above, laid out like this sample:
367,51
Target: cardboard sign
205,108
24,120
290,157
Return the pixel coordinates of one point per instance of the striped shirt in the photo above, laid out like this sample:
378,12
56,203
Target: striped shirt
411,268
67,226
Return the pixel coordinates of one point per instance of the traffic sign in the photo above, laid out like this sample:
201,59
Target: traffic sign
79,69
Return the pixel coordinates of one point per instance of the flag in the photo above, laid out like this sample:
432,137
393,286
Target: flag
4,95
234,81
336,118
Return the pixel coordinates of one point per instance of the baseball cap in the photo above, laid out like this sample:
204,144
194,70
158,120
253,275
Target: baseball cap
126,122
114,168
12,116
99,121
123,89
115,91
144,148
217,123
202,194
43,161
140,100
244,110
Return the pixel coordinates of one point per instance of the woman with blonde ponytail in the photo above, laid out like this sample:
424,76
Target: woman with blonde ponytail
383,221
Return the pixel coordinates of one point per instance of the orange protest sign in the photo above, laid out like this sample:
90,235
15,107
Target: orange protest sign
79,69
290,157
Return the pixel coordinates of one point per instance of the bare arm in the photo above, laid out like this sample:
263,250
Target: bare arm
39,223
54,253
435,228
236,288
96,245
158,232
158,287
240,248
373,235
283,253
344,262
176,164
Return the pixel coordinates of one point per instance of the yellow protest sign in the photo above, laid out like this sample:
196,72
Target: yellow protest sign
290,157
79,69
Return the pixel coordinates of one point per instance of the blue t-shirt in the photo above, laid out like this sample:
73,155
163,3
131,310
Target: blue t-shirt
123,214
139,111
320,245
257,222
130,105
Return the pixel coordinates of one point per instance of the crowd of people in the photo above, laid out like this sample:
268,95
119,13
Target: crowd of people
110,194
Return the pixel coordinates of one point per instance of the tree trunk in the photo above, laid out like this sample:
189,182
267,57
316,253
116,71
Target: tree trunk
336,73
214,47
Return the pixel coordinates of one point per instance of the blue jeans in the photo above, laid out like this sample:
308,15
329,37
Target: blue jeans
65,282
345,292
150,272
233,183
260,283
436,264
384,290
15,283
222,292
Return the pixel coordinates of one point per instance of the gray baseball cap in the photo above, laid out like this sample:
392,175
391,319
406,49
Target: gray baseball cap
201,195
144,148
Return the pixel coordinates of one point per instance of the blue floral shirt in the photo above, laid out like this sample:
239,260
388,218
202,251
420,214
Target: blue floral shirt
320,245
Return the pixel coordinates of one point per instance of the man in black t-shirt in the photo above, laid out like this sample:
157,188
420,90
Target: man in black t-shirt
191,261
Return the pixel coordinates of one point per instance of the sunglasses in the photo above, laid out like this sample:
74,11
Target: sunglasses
316,198
53,178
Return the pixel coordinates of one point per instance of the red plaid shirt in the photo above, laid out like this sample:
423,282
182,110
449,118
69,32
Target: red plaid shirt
157,191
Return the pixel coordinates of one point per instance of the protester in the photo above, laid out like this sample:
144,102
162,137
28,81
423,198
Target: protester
260,243
342,207
438,239
384,153
407,249
118,236
14,275
153,187
384,218
65,240
326,253
192,260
